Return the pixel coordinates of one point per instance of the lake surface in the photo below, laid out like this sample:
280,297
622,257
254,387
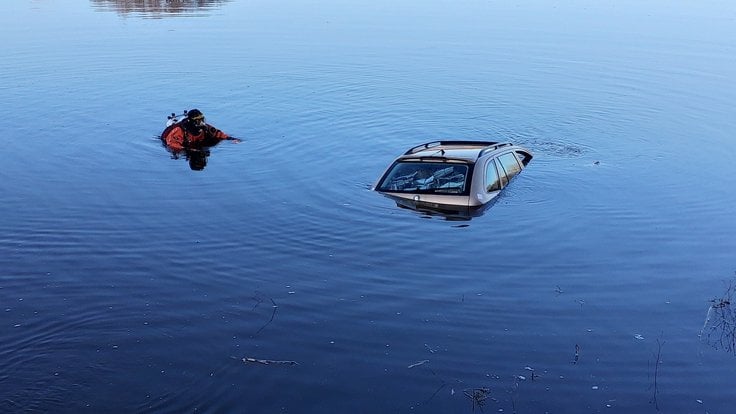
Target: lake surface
599,281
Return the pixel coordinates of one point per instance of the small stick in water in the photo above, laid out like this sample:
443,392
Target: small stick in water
418,363
268,361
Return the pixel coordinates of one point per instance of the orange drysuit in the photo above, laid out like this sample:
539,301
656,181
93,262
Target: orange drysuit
182,135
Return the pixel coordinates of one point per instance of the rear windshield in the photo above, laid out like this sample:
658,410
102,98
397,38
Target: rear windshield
425,177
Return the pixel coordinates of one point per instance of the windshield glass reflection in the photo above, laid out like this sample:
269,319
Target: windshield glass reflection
159,8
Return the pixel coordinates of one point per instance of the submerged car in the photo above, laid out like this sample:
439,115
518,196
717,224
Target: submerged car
456,177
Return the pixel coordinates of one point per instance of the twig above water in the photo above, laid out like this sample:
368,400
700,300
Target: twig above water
478,396
273,313
656,374
719,329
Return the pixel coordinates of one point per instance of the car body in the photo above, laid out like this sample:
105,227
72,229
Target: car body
452,176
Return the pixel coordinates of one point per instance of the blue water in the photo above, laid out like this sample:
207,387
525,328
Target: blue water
130,283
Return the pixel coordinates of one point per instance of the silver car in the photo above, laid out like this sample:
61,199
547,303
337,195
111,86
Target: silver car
452,176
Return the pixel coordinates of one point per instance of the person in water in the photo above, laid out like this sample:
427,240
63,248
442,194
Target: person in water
193,133
192,137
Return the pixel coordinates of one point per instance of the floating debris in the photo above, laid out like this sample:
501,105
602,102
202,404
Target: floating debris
577,354
268,361
638,336
416,364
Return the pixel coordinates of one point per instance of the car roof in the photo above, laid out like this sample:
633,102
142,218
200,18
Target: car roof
468,151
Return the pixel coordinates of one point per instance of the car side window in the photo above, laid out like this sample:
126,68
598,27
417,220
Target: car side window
510,164
501,173
523,157
493,183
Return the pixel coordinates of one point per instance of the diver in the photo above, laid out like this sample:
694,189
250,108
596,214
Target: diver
192,137
193,132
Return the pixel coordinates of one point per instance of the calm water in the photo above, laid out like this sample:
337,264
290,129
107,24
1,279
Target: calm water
129,283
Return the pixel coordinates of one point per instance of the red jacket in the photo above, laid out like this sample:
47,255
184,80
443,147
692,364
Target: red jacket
178,136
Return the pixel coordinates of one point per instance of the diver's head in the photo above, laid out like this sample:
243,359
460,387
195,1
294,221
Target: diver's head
196,118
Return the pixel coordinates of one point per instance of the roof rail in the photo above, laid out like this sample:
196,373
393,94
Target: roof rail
423,147
494,147
428,145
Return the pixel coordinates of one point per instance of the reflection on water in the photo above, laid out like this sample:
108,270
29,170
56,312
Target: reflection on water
197,157
158,8
449,213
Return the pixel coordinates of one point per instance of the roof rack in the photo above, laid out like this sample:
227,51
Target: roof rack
428,145
494,147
